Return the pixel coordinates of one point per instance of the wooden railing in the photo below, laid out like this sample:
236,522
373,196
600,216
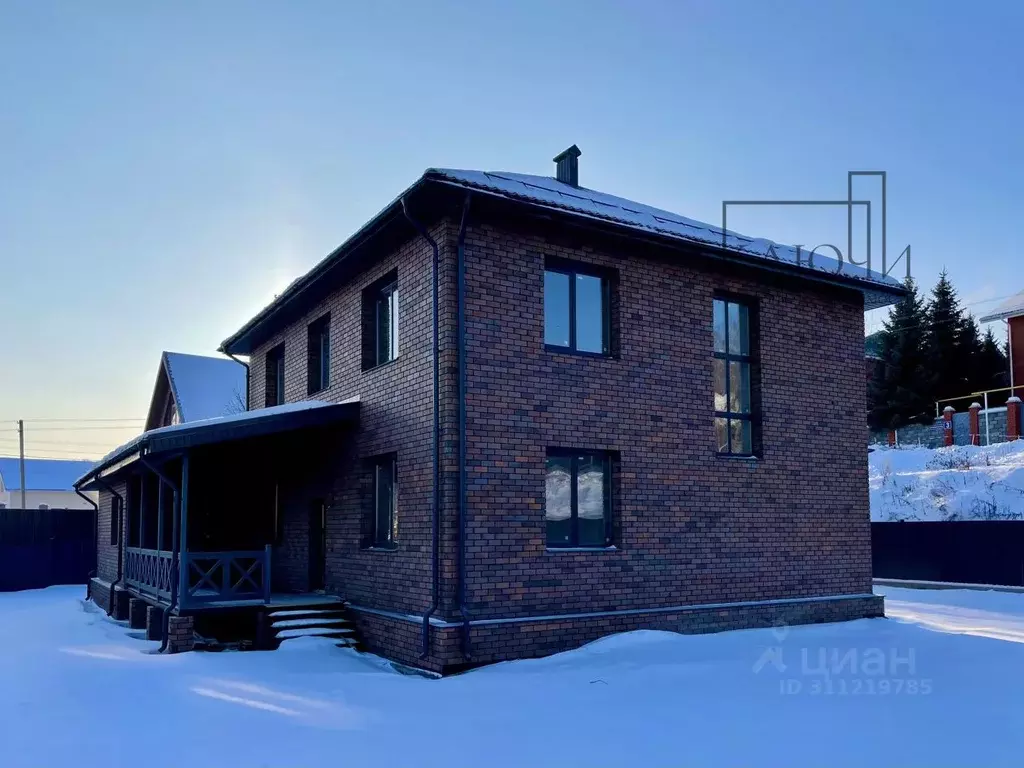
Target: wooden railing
150,571
210,577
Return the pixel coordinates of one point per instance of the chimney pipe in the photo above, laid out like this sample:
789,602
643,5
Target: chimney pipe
567,168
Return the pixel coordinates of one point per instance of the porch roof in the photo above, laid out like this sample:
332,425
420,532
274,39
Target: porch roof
237,426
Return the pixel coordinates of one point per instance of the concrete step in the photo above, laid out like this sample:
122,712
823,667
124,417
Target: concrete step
337,626
313,621
297,611
288,634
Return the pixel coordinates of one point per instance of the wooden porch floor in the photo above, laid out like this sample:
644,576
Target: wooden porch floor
277,600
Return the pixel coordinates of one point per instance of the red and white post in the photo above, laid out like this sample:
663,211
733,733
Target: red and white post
975,421
947,425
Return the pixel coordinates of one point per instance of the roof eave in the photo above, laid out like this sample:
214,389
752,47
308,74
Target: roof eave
865,286
1008,315
294,291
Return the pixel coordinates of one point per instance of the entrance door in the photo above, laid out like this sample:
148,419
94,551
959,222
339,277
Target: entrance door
317,544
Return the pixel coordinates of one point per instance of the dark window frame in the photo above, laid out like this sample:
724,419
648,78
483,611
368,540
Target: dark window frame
385,289
571,269
275,376
318,355
390,539
752,361
608,459
116,513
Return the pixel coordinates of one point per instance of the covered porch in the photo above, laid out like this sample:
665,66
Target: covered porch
201,515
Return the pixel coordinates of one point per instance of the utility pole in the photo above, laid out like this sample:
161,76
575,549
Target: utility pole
21,452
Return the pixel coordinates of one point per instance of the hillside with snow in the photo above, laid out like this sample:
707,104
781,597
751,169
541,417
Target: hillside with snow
957,483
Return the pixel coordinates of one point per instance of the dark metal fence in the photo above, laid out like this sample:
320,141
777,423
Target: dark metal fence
42,547
970,552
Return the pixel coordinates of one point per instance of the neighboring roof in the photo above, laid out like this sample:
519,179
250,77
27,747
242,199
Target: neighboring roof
550,194
1012,307
238,426
205,387
873,345
42,474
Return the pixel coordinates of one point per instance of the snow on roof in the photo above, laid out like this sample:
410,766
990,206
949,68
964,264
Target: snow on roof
1012,307
42,474
550,191
211,423
205,387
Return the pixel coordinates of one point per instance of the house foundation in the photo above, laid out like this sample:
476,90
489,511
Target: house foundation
121,605
154,622
504,639
137,613
180,634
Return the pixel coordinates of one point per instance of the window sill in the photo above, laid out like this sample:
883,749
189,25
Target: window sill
579,353
380,549
738,456
612,548
377,367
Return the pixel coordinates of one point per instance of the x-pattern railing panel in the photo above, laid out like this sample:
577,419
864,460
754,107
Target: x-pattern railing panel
149,569
226,575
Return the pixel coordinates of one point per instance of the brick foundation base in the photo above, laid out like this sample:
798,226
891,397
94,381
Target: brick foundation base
99,591
137,613
491,641
180,634
122,604
154,623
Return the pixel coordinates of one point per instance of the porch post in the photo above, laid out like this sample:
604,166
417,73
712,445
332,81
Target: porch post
142,510
266,573
159,514
183,534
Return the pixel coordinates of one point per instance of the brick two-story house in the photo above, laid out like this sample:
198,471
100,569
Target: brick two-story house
510,415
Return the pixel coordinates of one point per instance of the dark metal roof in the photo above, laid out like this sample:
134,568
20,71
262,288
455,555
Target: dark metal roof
240,426
549,195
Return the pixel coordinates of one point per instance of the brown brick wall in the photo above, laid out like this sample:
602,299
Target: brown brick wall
694,527
106,555
99,591
395,416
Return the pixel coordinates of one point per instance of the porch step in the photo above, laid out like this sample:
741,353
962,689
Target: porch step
332,622
287,634
315,621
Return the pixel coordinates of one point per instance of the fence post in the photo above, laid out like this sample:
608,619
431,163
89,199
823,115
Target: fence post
947,425
1013,418
891,439
975,422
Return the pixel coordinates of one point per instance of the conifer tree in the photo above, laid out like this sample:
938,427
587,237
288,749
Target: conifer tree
948,341
901,391
993,366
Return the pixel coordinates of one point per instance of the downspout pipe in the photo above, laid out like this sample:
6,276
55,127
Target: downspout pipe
95,537
120,539
435,524
174,547
246,366
461,333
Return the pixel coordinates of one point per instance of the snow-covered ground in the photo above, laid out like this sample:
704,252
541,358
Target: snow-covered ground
956,483
938,684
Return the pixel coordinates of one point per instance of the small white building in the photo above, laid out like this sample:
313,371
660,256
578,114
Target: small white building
48,483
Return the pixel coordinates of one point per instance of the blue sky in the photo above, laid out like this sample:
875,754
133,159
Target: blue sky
167,167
